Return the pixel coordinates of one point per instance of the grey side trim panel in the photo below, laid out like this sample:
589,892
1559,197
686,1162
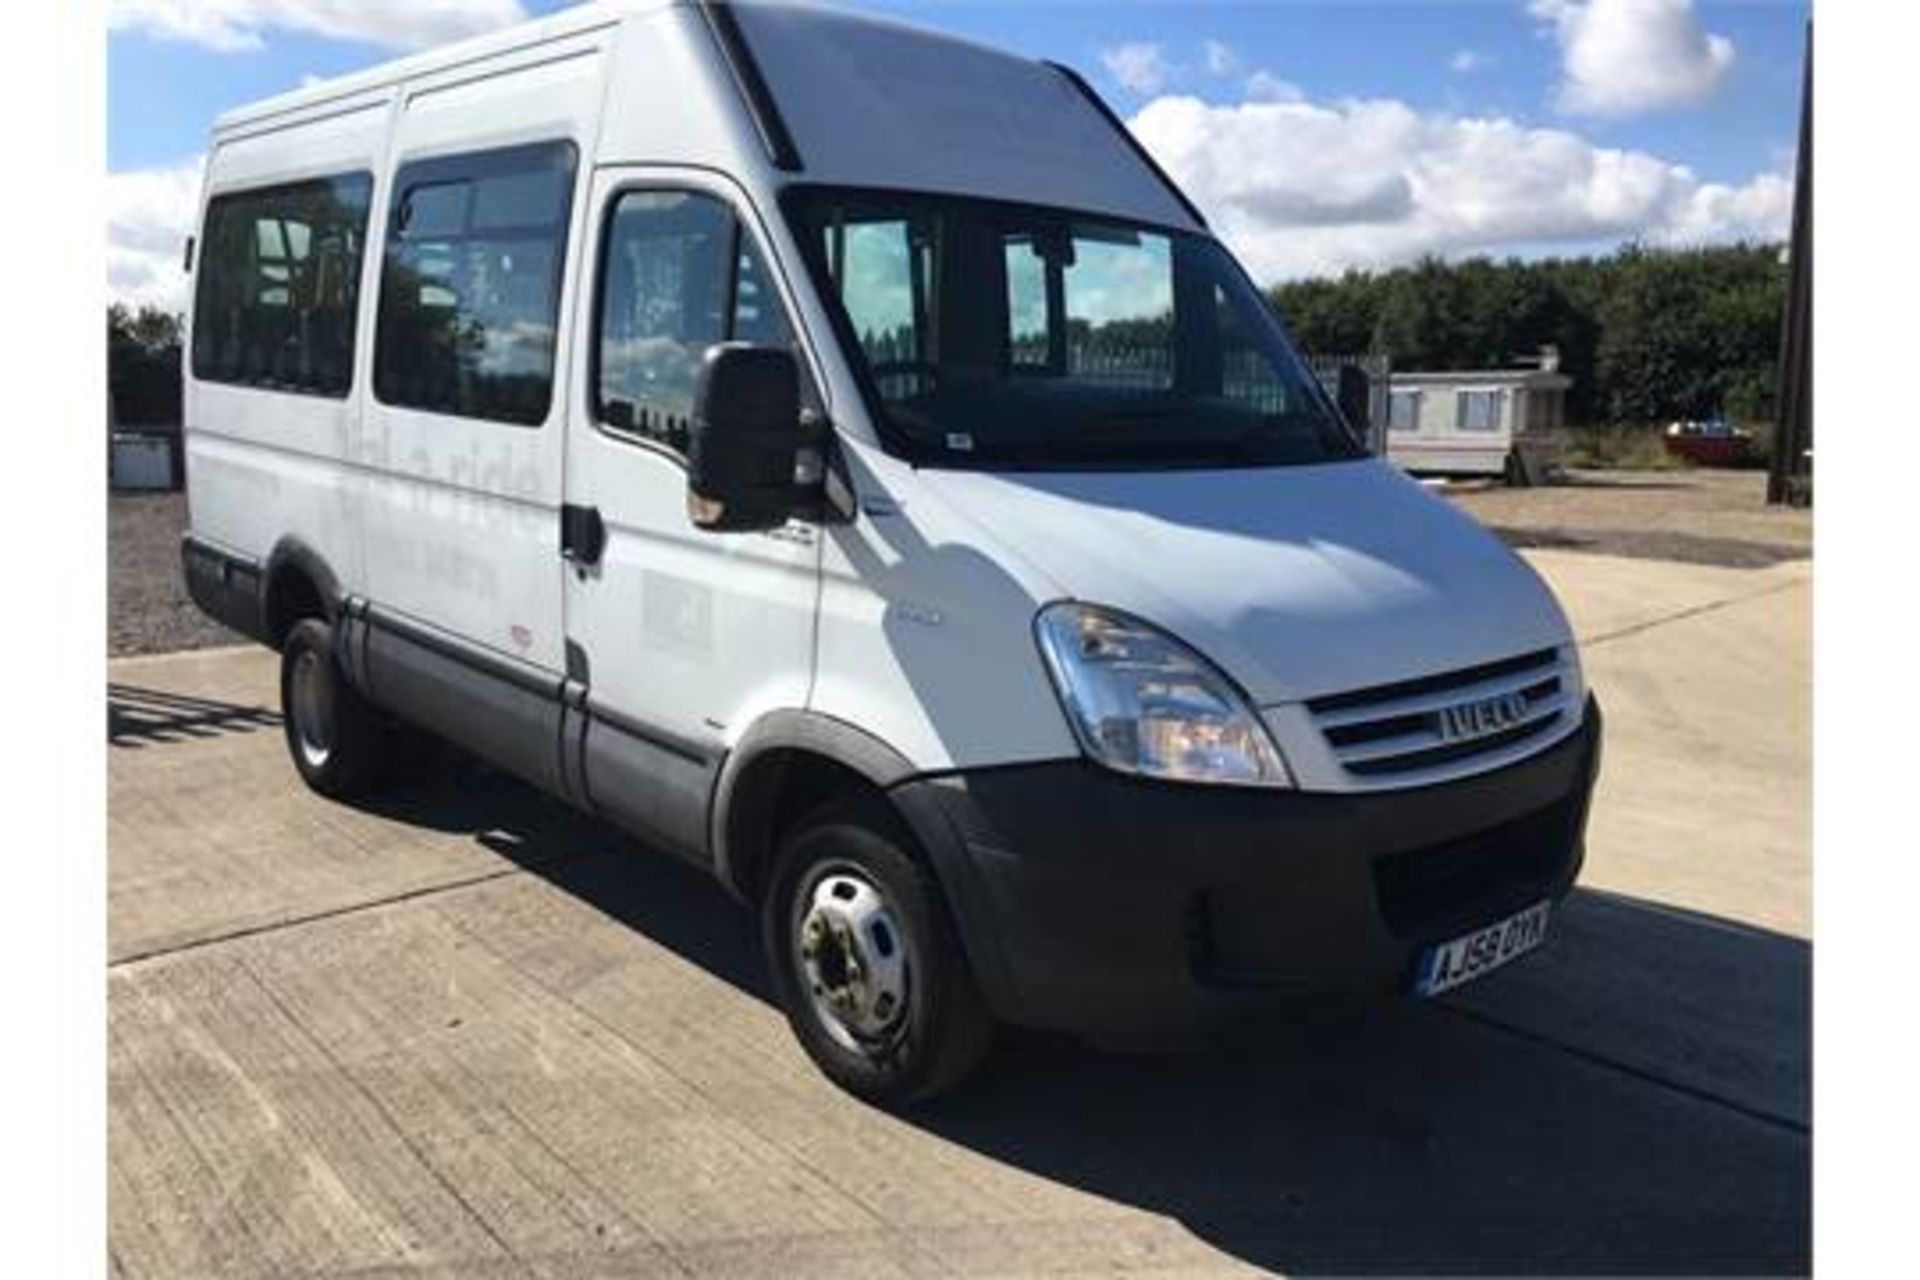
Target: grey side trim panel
228,589
650,785
505,713
535,724
573,744
539,725
661,739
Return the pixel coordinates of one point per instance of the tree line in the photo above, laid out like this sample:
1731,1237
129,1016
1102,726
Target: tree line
1647,335
143,366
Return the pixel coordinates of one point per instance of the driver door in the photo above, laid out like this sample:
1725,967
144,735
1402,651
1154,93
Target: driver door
679,637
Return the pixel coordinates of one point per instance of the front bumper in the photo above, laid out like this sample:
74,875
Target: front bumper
1098,904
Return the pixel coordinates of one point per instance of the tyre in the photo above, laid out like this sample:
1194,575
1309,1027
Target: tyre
337,740
866,963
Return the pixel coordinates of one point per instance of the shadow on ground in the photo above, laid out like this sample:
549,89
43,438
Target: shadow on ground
139,717
1631,1102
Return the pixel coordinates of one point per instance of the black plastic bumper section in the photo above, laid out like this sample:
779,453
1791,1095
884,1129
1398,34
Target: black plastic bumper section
1095,903
226,588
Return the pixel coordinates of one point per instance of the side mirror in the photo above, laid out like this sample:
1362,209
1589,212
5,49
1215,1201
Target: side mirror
745,440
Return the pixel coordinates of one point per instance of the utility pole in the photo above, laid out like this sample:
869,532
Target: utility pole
1791,478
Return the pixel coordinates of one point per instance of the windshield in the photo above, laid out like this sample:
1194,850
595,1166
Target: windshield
1003,335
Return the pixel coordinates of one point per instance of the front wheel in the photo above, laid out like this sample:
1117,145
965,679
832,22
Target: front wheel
337,740
865,962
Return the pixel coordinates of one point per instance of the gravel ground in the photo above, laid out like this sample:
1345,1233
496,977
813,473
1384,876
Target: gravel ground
1699,517
148,610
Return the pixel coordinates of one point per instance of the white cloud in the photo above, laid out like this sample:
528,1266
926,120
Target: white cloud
237,25
1264,86
1624,57
150,214
1220,57
1467,61
1301,188
1138,65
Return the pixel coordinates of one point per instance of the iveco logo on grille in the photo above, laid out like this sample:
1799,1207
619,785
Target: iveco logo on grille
1478,719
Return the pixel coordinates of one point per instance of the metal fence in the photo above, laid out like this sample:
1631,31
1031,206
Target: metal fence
1149,367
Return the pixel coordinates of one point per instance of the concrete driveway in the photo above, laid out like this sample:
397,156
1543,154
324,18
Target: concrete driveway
464,1032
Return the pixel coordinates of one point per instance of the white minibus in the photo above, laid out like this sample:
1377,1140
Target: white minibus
838,455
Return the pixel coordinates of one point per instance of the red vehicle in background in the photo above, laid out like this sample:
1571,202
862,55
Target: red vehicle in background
1712,443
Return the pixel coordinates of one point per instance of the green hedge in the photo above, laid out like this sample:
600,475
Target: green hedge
143,366
1647,335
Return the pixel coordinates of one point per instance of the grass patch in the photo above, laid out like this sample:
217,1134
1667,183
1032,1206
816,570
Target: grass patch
1621,447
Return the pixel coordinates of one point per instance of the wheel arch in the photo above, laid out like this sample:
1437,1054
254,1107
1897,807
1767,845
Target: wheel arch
789,762
786,763
297,583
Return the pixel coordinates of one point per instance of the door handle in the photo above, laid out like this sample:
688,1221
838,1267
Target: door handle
583,535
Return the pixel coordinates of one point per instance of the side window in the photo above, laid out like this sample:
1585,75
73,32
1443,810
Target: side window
1479,411
278,293
470,290
1403,411
677,276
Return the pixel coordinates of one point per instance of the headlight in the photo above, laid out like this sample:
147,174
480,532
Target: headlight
1141,702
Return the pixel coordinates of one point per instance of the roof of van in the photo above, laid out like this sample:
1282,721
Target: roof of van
867,100
554,26
565,22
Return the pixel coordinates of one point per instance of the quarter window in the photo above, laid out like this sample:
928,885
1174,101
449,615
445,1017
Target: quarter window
678,274
470,292
278,294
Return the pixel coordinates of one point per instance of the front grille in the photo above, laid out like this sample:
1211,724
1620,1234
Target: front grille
1439,887
1412,727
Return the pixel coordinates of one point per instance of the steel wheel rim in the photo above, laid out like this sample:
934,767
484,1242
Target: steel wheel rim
853,958
312,708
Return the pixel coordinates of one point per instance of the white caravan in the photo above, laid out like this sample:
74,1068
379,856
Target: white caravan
1504,422
838,455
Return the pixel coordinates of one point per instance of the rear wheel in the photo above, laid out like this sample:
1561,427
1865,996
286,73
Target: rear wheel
866,963
337,740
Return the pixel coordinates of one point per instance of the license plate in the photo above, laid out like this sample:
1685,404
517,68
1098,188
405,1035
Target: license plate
1474,955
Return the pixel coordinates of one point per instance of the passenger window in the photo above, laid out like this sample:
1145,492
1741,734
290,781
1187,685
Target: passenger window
470,291
677,276
277,299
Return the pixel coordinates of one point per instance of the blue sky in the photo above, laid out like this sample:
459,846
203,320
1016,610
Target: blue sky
1449,126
